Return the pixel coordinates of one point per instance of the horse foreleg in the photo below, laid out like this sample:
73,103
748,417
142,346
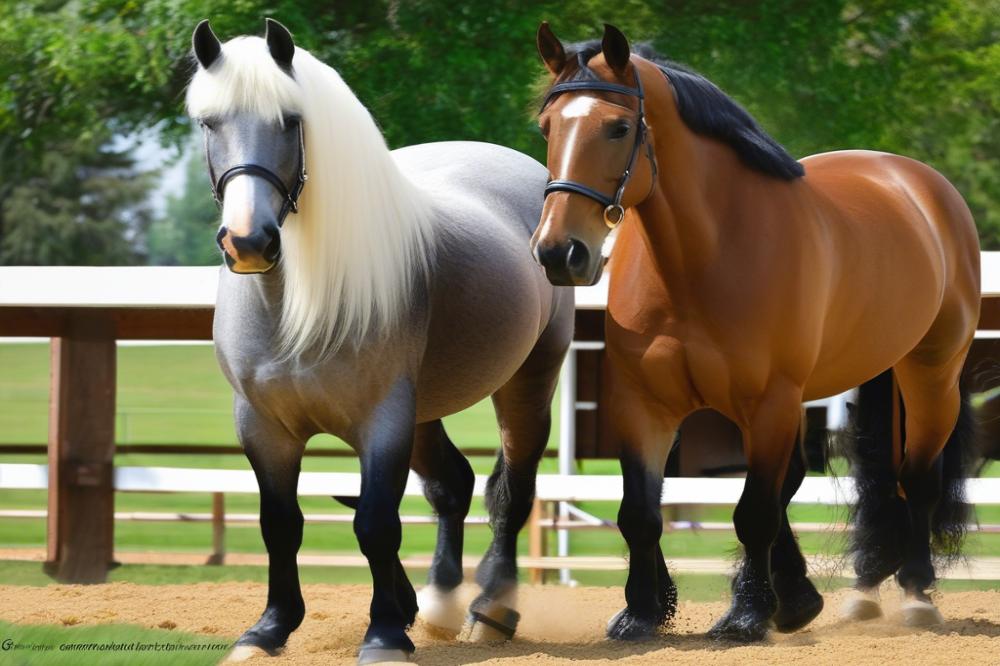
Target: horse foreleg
769,440
275,457
384,447
650,594
798,601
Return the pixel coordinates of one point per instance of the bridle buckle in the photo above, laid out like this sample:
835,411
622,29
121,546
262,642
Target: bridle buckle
613,215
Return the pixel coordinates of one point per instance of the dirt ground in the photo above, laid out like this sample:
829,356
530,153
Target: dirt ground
559,625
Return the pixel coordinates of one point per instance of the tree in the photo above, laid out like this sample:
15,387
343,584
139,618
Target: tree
907,76
87,208
185,234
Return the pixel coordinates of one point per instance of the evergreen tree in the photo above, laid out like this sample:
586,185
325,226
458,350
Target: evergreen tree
185,234
85,206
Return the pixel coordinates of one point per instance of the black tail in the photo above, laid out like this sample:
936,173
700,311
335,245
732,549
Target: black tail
880,517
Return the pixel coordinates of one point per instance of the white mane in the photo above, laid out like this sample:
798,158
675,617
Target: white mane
363,235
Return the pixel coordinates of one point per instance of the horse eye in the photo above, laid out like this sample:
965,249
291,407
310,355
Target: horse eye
619,131
291,122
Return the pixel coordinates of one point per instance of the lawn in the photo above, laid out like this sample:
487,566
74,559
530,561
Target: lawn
176,394
115,644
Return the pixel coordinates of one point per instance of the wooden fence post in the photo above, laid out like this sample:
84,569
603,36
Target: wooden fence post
81,451
536,539
218,555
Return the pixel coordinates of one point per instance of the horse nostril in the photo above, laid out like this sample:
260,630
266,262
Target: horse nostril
219,236
578,257
273,247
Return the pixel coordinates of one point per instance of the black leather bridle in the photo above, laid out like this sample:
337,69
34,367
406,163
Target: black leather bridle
290,195
614,213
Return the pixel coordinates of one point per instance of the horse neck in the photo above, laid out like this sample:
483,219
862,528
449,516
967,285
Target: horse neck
680,221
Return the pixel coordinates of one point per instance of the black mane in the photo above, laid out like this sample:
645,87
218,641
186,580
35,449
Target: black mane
706,110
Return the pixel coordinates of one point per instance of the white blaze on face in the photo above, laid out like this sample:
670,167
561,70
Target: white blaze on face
577,108
237,208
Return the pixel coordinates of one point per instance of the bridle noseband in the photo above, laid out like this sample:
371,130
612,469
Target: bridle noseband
614,213
290,196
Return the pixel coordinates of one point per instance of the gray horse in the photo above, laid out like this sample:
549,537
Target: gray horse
383,293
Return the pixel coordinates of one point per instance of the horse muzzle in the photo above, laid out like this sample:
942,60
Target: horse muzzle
569,264
256,252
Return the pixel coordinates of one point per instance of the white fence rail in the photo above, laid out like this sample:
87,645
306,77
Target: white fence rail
550,487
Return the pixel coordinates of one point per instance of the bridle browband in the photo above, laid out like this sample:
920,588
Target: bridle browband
614,213
290,195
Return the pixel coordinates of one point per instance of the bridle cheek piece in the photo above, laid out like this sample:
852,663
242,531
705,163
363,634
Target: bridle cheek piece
290,195
614,212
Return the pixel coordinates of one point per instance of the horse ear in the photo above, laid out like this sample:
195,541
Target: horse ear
207,47
279,43
616,48
550,48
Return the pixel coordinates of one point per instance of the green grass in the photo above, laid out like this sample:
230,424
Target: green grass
106,644
166,394
176,394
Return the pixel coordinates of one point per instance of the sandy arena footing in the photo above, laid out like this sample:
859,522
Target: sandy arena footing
559,625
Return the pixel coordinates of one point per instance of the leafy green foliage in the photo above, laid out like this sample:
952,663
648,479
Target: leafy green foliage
904,76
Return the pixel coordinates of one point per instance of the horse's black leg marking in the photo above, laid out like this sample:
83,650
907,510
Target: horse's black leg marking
510,492
798,601
384,448
275,458
448,483
770,441
757,519
650,594
923,490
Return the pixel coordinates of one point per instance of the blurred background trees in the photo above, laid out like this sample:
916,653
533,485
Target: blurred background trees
79,77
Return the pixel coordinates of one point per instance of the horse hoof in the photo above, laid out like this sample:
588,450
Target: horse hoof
440,611
384,656
794,615
242,653
862,605
490,623
747,627
919,613
627,626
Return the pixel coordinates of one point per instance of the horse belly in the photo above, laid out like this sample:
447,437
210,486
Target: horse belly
861,342
482,330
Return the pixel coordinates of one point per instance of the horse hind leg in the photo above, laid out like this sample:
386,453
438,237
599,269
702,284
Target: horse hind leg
879,515
938,433
523,407
448,484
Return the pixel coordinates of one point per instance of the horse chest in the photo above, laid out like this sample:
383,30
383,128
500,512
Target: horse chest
330,398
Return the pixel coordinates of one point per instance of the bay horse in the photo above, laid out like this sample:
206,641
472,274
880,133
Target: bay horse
745,281
369,294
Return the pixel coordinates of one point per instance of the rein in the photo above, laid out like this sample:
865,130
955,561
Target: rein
614,213
290,195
